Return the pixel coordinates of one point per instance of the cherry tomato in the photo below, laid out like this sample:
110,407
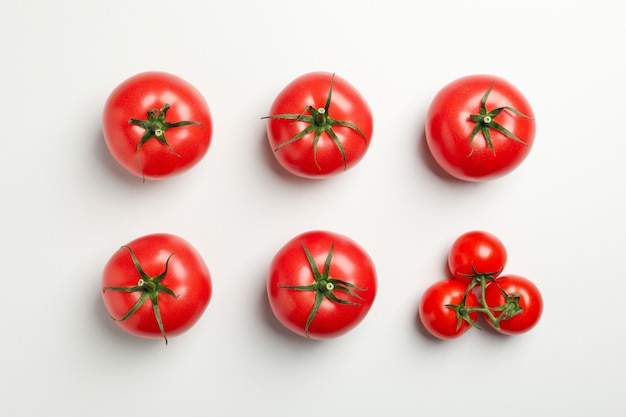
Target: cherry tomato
319,125
157,125
479,127
438,317
156,286
477,255
530,302
321,284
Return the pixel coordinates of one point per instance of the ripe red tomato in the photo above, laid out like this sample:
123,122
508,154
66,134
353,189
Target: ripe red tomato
479,127
321,284
157,125
319,125
156,286
530,301
477,255
441,320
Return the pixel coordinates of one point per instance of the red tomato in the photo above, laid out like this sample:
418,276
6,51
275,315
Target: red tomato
530,301
477,255
441,320
157,125
321,284
319,125
479,127
156,286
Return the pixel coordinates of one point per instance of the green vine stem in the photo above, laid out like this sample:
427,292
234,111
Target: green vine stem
510,308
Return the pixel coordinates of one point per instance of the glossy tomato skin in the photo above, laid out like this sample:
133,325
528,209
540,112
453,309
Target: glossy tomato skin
187,276
290,267
531,302
132,99
476,252
347,104
448,128
438,319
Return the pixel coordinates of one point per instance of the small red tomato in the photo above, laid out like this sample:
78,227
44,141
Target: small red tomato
319,125
479,127
477,255
438,313
321,284
156,286
521,292
157,125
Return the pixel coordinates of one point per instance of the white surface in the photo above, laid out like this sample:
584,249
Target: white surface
67,206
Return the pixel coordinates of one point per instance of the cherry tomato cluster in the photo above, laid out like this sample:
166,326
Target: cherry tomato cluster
510,304
320,284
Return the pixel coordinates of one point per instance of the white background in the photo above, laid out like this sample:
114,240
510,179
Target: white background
67,206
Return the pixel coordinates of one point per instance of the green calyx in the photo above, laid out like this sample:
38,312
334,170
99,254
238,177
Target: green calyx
325,286
485,121
319,122
507,310
150,288
155,127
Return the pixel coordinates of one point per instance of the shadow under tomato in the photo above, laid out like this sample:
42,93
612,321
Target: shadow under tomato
426,157
113,169
274,166
421,330
106,160
271,322
116,335
281,173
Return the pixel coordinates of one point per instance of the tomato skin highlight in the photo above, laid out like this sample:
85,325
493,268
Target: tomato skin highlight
530,300
290,267
438,319
347,104
132,99
449,128
187,276
476,253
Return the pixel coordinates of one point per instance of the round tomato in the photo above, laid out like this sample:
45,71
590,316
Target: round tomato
156,286
479,127
319,125
521,307
157,125
477,255
321,284
442,309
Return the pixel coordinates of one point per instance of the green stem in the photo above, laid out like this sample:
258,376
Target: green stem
325,286
320,117
487,311
149,287
155,127
509,309
319,122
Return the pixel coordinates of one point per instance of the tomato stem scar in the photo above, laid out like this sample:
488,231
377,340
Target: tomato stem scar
325,286
150,287
319,122
485,121
155,126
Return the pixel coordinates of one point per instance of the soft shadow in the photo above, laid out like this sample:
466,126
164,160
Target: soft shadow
426,157
281,173
264,311
109,165
113,333
425,334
